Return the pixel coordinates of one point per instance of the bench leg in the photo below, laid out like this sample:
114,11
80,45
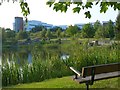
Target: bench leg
87,86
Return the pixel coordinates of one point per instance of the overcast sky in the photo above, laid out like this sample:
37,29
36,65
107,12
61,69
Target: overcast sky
40,11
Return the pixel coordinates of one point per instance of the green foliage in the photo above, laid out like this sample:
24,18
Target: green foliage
58,32
63,34
96,25
63,6
10,33
104,7
76,9
42,33
37,29
46,65
88,31
54,29
8,37
72,30
25,8
36,72
88,15
104,31
109,28
22,35
48,34
100,32
117,29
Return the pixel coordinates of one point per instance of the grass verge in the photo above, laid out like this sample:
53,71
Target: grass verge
67,82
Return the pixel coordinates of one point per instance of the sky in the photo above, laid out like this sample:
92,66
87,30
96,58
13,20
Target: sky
42,12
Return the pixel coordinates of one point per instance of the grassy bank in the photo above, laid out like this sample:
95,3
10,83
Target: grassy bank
67,82
47,64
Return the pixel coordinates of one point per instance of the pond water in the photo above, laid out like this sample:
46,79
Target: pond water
65,56
23,55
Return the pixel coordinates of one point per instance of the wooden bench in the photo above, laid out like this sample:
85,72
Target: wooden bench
90,74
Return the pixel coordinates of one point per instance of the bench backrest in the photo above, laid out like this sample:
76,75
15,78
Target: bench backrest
98,69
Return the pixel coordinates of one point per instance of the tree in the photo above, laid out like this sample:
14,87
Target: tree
96,25
58,32
100,33
62,34
109,28
63,6
88,31
37,29
42,33
117,28
22,35
9,33
8,37
72,30
48,34
54,29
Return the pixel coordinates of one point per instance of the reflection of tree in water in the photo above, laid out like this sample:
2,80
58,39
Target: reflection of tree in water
44,53
22,57
38,54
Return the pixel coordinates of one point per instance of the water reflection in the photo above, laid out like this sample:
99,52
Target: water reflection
22,55
29,58
65,56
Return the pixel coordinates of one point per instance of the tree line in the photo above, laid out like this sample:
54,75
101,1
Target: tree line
97,30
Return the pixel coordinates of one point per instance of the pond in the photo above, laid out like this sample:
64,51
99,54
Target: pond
24,55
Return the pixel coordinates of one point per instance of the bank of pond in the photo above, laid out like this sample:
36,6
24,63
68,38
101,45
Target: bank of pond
35,63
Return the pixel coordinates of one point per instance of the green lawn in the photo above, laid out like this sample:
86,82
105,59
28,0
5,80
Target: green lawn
67,82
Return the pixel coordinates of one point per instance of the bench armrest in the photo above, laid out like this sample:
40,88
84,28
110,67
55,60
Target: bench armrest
75,71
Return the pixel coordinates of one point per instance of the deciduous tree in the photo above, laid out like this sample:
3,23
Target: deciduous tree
72,30
58,32
109,28
48,34
117,29
79,5
96,25
22,35
88,31
42,33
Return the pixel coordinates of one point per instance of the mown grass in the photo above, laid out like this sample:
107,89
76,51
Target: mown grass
67,82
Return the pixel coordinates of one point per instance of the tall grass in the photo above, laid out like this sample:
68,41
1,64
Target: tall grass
52,66
37,71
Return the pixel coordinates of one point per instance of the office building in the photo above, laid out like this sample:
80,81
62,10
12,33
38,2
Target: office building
18,25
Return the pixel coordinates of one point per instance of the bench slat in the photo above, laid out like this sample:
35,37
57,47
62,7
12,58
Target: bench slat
98,77
75,71
98,69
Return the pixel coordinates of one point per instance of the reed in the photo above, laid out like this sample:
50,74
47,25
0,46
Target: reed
52,66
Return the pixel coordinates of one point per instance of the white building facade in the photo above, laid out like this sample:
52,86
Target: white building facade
33,23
